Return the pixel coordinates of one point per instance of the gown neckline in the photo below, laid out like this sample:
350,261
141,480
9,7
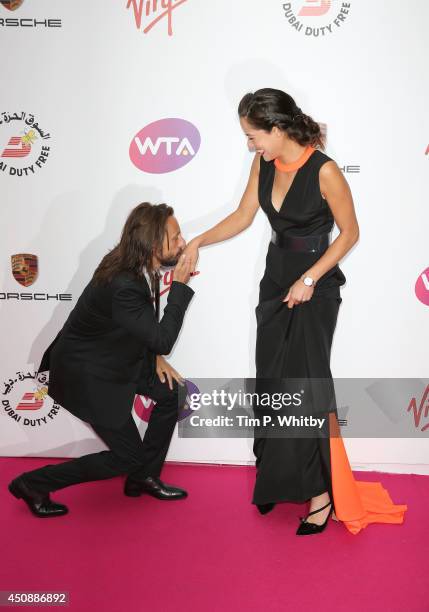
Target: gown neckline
289,167
290,186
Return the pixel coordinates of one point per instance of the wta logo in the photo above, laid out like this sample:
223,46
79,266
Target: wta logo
422,287
165,145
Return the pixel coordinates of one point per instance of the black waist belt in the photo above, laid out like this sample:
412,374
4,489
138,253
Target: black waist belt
311,244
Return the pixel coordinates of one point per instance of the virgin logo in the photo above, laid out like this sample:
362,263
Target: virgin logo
422,287
143,405
165,145
315,8
418,411
165,284
154,11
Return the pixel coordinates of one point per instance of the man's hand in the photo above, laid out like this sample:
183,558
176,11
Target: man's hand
165,371
192,250
182,271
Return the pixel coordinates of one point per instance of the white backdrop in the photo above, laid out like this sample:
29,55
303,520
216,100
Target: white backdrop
83,78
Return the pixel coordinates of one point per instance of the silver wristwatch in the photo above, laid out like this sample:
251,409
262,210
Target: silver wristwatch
307,280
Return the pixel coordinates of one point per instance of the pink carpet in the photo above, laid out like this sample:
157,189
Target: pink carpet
212,551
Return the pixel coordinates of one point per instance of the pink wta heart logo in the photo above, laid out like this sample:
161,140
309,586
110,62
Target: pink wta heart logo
422,287
165,145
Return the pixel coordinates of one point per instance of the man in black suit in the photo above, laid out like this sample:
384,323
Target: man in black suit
111,348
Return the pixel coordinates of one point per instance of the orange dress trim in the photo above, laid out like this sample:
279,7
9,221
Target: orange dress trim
295,164
357,503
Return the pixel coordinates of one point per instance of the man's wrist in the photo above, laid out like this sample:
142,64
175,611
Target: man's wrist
180,289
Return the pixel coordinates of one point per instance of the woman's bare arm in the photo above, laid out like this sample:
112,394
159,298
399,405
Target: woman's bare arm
238,220
336,190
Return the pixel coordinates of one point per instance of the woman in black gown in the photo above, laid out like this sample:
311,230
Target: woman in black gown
302,191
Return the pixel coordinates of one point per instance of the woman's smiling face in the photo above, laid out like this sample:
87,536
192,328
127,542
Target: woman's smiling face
260,141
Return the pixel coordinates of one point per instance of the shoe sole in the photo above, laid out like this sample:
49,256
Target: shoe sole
140,493
136,494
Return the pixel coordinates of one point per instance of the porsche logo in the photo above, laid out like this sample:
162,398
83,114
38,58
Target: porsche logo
12,5
24,268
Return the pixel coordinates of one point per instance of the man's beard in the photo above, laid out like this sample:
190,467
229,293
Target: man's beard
170,262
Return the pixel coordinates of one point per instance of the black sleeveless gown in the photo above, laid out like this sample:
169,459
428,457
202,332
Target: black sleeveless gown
296,342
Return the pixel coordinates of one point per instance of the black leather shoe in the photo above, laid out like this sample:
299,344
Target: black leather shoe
265,508
311,528
39,503
153,486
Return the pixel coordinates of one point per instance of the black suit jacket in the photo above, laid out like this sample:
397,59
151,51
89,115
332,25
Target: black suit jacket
108,344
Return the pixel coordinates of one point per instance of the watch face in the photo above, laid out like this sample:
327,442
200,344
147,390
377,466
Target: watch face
308,281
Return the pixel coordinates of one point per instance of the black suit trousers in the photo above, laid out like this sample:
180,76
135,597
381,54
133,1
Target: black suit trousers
128,453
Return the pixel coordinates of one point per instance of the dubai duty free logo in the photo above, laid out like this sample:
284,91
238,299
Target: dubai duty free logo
316,18
23,146
165,145
149,13
25,399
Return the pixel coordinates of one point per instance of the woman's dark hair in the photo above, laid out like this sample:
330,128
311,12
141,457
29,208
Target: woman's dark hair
267,108
143,234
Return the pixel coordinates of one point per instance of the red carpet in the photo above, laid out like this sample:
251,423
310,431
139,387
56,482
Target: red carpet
212,551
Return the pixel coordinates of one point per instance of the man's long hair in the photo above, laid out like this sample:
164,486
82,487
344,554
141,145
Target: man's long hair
142,236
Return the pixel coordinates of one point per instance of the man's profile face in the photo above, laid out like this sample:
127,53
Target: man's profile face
173,245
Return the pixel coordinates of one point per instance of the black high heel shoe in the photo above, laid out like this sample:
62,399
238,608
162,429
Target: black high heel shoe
310,528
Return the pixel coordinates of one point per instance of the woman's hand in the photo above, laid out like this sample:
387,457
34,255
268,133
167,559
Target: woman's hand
164,370
192,251
298,293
